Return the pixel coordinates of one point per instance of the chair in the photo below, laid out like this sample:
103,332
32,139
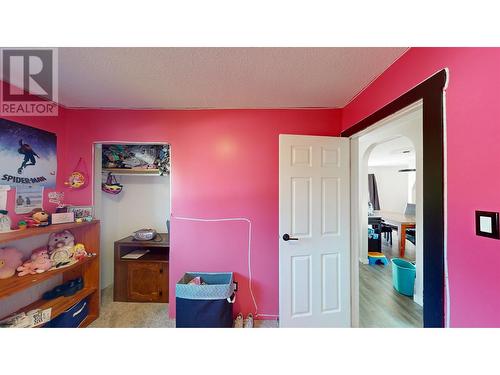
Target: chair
386,230
410,209
410,232
411,235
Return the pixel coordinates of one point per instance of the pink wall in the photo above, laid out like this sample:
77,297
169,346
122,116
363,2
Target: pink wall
225,164
473,117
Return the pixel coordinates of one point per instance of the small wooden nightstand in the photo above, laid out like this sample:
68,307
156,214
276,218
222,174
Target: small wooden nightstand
144,279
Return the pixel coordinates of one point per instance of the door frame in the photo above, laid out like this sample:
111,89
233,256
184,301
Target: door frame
432,94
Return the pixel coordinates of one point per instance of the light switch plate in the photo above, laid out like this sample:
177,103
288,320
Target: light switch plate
487,224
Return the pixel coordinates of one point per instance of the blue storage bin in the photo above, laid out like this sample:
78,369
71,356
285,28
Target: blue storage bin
71,318
403,276
205,306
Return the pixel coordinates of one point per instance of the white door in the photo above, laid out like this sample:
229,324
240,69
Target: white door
314,244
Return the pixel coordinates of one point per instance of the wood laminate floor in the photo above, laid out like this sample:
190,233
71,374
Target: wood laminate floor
380,305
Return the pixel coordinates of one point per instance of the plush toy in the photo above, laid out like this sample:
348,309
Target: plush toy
38,218
62,254
61,246
38,263
61,239
10,259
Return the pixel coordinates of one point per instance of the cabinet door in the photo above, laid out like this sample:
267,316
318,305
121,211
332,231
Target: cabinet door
144,281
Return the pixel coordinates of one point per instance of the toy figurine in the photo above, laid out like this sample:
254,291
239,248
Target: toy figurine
4,221
79,251
22,225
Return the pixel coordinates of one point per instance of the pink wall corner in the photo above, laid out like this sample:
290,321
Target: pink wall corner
55,124
472,118
224,164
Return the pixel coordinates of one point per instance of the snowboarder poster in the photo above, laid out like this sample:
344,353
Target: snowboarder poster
28,155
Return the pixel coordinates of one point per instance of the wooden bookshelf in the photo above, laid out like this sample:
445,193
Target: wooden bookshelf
60,304
88,268
31,232
15,284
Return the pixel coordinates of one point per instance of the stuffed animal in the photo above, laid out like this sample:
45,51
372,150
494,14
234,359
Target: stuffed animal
61,239
62,254
38,263
37,218
40,252
40,217
10,259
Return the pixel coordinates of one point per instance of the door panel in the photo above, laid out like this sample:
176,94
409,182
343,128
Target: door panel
301,286
330,275
315,213
330,204
301,206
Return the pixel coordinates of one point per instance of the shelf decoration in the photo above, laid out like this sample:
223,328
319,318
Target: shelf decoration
79,178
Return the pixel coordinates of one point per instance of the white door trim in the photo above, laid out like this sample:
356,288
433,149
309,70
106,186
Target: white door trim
357,211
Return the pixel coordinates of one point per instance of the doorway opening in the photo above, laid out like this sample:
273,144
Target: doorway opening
430,95
388,184
132,191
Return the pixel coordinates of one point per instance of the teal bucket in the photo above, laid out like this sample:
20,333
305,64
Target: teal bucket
403,276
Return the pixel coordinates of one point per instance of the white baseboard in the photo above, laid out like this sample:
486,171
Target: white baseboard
418,299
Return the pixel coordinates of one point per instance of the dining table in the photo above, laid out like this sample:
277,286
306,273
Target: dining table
401,222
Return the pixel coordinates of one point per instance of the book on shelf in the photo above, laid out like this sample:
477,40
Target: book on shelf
136,254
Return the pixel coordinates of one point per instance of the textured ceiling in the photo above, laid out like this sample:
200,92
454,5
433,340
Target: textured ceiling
181,78
178,78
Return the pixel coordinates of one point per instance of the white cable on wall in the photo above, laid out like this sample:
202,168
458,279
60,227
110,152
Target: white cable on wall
244,219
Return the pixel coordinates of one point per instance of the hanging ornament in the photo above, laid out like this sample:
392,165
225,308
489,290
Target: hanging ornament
111,186
78,179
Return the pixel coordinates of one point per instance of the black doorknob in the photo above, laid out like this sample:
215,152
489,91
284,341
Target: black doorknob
286,237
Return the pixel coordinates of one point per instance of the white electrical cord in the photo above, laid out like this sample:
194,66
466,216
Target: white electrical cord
244,219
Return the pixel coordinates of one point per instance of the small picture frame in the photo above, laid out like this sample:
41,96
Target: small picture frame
82,212
487,224
62,217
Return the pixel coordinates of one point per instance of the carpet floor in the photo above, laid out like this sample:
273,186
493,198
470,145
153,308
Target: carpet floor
142,315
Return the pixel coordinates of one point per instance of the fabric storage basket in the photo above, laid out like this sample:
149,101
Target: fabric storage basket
205,306
71,318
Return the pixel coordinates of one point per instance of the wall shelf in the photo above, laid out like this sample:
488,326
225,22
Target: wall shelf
17,283
60,304
31,232
133,172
